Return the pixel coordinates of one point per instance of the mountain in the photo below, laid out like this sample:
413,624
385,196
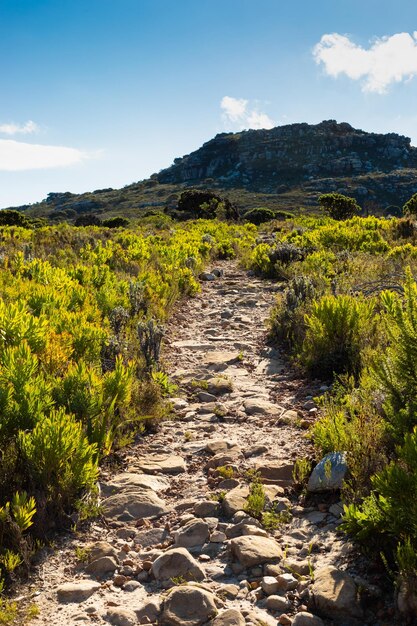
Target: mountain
286,167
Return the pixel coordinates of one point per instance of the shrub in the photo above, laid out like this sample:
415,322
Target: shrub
410,207
259,215
116,222
288,316
88,220
197,204
61,459
396,370
336,331
9,217
338,206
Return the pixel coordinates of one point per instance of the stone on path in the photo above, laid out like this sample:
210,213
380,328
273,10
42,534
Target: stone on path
132,504
253,550
99,549
133,479
231,617
334,594
151,537
188,606
161,463
278,472
194,533
219,360
177,562
236,499
221,446
121,617
329,474
307,619
102,566
259,406
219,386
77,591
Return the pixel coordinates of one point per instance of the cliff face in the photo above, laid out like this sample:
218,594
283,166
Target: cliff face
273,161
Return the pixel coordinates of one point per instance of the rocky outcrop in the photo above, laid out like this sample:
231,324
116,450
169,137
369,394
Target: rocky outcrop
283,154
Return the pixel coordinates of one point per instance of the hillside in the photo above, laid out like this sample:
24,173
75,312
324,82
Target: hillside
286,167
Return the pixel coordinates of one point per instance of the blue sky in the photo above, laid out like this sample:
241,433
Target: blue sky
102,93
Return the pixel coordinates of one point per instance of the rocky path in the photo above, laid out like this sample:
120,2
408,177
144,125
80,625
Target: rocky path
176,545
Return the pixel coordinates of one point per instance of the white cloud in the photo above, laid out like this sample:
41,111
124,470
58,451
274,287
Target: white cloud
18,155
388,60
24,129
236,111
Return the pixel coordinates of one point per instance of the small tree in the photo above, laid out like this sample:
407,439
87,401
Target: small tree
410,207
338,206
259,215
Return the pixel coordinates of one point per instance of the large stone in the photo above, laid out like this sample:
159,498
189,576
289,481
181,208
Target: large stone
219,386
220,446
188,606
161,463
175,563
152,537
253,550
194,533
132,504
329,474
76,591
277,472
236,499
307,619
219,360
231,617
121,617
149,612
334,594
259,406
207,508
101,548
128,480
102,566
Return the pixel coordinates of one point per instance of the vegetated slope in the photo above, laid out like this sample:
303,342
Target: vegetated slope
286,167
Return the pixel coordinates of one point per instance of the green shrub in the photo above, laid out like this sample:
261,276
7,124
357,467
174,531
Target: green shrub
338,206
259,215
288,315
336,331
116,222
61,460
410,207
396,370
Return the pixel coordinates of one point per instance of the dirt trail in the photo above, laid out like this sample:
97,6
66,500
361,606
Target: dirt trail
238,406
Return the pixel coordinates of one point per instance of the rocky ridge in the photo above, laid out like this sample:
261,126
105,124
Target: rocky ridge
283,168
175,545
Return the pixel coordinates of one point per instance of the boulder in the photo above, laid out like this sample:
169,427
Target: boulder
277,472
121,617
207,508
101,548
188,606
231,617
260,406
194,533
161,463
177,562
277,603
253,550
102,566
149,612
329,474
77,591
152,537
334,594
307,619
219,386
134,503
